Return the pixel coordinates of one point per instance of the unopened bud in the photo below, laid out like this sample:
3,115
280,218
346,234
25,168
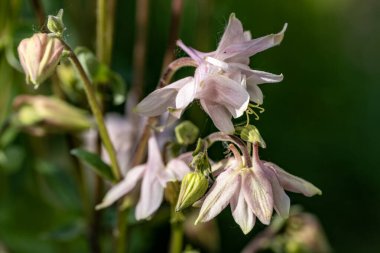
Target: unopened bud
251,134
186,133
55,24
40,115
194,186
39,56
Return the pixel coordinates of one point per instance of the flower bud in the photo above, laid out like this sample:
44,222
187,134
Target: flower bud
55,24
186,133
193,187
251,134
40,115
39,56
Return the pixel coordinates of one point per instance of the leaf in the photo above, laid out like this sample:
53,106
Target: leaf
95,162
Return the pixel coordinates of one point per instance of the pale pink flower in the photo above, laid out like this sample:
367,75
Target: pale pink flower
223,81
154,174
39,56
252,192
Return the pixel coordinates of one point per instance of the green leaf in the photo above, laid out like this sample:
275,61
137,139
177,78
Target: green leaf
95,162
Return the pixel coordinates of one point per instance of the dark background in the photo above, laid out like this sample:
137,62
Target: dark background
321,123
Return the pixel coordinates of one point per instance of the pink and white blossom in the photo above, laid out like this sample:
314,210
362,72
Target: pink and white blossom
223,81
154,175
252,192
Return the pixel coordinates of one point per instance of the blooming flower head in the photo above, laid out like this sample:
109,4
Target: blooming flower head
252,191
223,81
154,174
39,56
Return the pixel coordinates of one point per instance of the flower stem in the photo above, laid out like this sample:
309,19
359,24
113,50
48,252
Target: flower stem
219,136
88,87
176,234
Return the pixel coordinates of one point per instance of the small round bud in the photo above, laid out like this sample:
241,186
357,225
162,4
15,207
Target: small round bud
251,134
55,24
186,133
194,186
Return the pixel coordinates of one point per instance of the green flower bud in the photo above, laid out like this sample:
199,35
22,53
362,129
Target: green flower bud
186,133
251,134
194,186
55,24
40,115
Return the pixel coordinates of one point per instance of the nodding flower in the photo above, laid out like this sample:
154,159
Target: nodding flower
154,175
252,191
223,82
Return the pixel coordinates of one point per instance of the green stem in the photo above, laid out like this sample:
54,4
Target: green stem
176,234
121,244
101,30
97,112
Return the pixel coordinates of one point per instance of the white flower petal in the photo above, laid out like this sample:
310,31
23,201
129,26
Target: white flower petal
249,48
177,168
225,91
154,162
258,194
232,34
292,183
185,95
255,94
219,195
160,100
151,196
122,188
280,199
220,116
242,214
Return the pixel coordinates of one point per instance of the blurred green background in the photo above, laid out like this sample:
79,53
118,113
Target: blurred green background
321,123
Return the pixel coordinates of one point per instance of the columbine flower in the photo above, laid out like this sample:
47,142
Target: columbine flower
154,175
39,56
223,81
252,192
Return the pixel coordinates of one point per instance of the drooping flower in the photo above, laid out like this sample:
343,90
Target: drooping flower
154,174
223,81
39,56
252,192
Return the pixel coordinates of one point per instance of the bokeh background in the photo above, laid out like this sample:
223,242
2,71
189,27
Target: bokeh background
321,123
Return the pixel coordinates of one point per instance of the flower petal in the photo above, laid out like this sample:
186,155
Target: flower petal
252,47
219,115
122,188
154,162
160,100
258,194
219,195
177,169
151,196
242,214
194,54
225,91
280,199
232,34
255,94
293,183
185,95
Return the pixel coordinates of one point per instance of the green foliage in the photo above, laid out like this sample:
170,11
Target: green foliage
95,162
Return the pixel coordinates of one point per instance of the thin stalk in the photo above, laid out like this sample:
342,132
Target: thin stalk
39,11
97,112
176,13
139,48
101,30
176,237
121,244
